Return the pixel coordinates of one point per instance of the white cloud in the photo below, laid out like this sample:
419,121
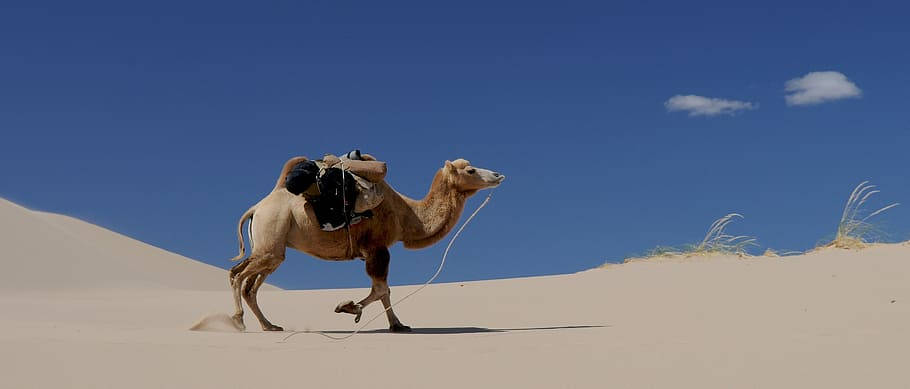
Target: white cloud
706,106
820,87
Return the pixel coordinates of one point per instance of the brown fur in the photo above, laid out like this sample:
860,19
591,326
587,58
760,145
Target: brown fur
283,220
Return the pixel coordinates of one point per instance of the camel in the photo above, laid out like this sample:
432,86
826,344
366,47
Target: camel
282,220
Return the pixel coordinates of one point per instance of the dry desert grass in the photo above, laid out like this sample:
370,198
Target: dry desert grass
854,231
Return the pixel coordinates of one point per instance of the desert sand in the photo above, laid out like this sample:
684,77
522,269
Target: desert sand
86,307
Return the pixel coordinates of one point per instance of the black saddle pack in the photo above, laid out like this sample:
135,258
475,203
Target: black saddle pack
331,191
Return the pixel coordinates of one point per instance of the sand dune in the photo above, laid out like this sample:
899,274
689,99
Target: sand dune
45,251
833,318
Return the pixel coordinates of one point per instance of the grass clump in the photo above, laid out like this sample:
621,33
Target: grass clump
716,242
854,231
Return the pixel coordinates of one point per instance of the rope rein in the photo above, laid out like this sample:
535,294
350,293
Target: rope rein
425,284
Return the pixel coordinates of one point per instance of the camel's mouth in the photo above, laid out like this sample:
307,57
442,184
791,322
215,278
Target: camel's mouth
483,178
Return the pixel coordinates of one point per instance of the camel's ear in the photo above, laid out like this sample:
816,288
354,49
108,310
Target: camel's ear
449,166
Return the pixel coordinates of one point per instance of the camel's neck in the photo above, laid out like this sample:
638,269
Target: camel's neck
434,216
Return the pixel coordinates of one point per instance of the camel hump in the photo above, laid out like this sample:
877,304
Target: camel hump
282,178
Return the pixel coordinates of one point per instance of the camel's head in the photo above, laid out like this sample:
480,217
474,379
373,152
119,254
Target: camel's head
467,178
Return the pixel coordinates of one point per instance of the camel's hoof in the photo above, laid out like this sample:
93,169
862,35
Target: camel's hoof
350,307
399,328
238,322
272,327
342,306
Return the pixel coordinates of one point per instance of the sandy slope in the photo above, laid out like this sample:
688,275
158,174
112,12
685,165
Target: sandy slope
43,251
828,319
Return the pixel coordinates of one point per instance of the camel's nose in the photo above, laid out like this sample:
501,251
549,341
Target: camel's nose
499,176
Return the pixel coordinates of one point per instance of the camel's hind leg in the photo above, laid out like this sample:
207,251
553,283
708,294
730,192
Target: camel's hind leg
377,267
247,284
235,287
269,227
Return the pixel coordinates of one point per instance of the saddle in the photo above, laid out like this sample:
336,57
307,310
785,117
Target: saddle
342,190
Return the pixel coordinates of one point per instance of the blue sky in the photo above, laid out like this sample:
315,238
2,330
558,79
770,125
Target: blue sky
166,120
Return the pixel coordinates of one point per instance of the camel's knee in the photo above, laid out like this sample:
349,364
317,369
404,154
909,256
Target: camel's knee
249,286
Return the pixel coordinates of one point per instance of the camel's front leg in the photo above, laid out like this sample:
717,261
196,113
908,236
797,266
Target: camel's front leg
395,325
377,267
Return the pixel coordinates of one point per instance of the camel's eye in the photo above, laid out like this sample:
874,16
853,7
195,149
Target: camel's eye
471,171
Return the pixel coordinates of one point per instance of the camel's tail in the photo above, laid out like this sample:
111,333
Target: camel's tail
246,215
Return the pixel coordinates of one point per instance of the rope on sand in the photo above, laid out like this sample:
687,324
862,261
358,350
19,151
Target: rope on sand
425,284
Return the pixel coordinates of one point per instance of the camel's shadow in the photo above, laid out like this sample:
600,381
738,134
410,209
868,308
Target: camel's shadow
466,330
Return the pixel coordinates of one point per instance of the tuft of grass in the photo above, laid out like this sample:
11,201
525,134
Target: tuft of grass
854,231
716,242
